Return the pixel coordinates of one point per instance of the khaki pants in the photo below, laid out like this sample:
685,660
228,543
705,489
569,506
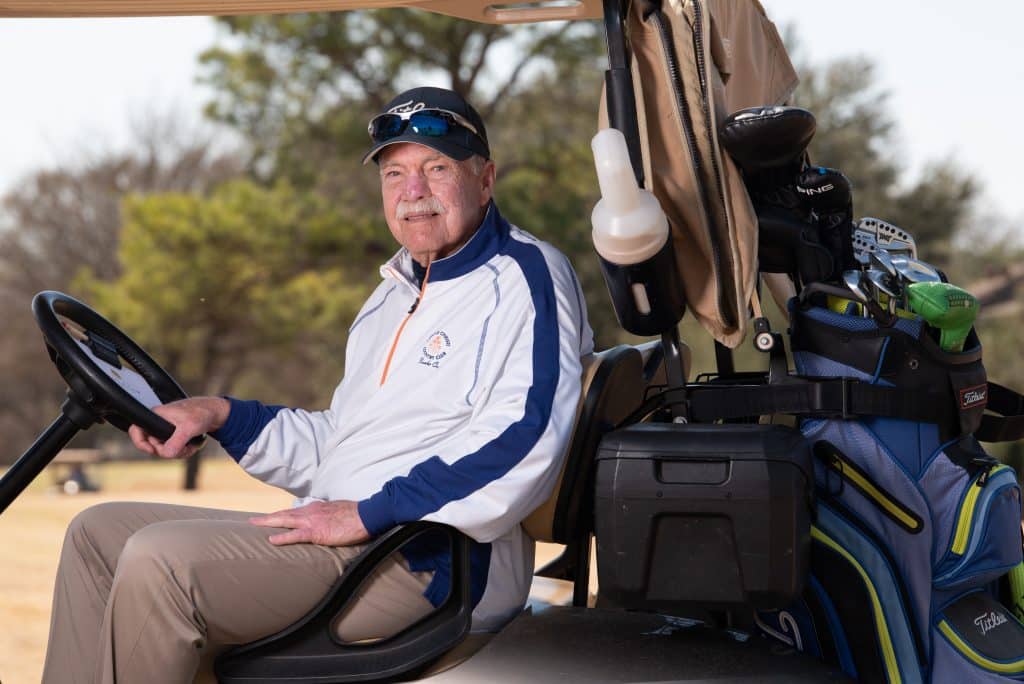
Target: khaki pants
144,592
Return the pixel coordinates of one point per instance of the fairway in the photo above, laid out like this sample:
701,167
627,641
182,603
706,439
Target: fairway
32,529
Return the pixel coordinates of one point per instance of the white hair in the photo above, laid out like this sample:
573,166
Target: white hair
476,164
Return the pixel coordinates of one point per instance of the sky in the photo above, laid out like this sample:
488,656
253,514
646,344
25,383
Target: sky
953,70
73,87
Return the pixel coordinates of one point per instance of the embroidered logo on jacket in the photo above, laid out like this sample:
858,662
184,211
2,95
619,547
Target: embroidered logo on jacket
435,349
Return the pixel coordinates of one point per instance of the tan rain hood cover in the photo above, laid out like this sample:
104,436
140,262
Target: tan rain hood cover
694,63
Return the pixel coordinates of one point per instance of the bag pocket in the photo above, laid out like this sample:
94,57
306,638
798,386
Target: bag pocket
976,639
868,597
839,465
985,537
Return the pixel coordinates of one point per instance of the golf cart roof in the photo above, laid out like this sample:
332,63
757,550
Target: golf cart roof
485,11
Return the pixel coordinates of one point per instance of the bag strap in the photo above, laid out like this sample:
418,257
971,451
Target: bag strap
844,398
828,398
1008,425
805,397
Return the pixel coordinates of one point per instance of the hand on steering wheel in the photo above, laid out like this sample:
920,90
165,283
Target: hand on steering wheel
191,418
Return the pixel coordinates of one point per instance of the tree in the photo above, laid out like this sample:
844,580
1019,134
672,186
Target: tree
61,221
300,88
243,288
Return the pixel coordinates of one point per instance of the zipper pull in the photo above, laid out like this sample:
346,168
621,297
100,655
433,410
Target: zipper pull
987,464
414,305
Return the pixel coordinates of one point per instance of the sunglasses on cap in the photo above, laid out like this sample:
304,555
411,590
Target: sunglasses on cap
432,123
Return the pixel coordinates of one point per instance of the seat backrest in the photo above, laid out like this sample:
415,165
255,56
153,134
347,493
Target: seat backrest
613,384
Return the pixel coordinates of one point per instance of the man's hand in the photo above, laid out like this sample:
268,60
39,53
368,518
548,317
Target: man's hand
190,417
328,523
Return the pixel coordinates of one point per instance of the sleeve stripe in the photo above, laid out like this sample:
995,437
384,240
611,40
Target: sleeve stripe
433,483
245,422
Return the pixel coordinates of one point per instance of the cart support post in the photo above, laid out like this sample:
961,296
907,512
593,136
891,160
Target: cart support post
73,417
619,83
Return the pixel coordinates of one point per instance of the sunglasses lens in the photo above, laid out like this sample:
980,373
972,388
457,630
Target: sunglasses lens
387,126
430,124
433,123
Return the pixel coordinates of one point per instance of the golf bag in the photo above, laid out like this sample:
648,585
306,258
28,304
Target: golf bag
916,526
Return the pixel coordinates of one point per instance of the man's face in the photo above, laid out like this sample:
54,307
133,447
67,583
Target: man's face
433,204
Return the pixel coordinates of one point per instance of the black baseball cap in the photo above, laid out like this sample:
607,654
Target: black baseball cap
456,140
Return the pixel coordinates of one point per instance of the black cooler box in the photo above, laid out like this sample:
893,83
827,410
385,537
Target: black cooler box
702,516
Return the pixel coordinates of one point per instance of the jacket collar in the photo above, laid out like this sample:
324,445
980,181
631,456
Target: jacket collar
478,250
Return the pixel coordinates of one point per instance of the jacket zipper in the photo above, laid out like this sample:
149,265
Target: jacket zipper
398,333
672,63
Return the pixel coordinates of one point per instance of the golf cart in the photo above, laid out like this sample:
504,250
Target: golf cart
696,525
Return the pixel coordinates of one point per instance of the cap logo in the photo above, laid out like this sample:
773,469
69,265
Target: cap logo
406,108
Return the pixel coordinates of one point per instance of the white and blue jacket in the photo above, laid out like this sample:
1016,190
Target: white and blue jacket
470,423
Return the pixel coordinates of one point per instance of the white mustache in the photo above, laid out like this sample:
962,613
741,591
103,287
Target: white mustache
427,205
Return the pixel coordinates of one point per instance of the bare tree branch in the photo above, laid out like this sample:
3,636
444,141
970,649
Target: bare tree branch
538,48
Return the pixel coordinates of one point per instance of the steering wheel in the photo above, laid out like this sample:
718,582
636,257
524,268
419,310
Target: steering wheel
109,378
103,367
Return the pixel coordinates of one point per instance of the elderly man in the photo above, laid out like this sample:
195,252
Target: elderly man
462,377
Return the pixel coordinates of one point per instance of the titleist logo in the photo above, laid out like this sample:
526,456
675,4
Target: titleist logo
406,107
973,396
989,621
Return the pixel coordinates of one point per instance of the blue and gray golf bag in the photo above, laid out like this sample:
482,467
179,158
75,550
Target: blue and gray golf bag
916,526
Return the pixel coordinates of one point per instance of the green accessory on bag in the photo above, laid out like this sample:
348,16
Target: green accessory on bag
946,307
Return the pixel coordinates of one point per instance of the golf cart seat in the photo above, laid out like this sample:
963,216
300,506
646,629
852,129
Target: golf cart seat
309,651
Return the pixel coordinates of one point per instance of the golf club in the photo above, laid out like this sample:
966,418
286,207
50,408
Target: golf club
882,259
863,245
884,284
889,237
914,271
854,281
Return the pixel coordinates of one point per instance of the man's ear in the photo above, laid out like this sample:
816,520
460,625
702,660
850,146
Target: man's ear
487,176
